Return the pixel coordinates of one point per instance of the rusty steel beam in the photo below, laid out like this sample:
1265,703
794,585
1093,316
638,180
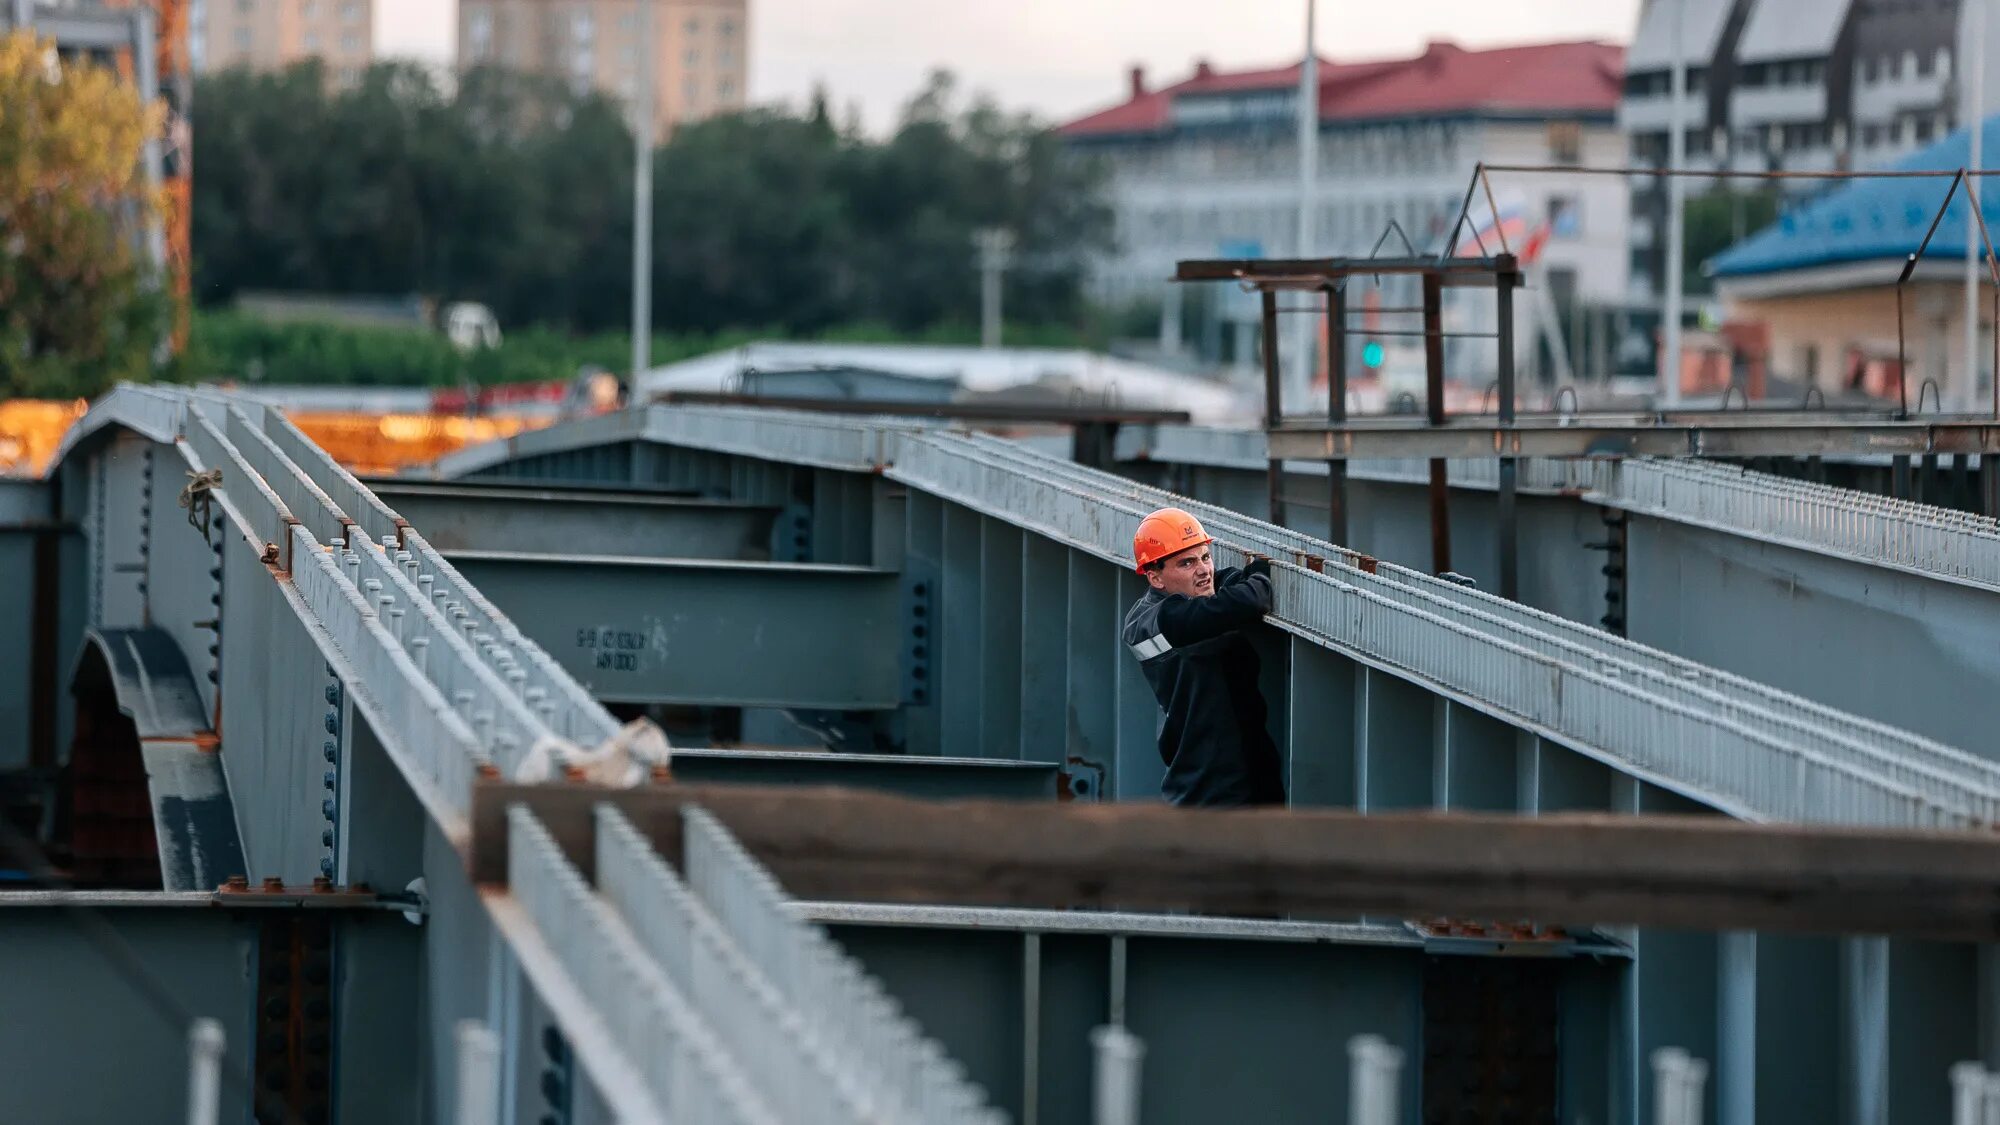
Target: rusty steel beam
1704,873
1315,273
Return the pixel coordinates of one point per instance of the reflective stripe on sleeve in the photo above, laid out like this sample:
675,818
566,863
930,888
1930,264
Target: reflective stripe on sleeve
1152,646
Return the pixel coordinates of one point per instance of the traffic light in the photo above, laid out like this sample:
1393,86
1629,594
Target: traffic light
1371,355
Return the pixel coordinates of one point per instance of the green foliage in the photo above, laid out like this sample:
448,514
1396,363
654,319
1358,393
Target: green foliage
516,192
1718,220
77,309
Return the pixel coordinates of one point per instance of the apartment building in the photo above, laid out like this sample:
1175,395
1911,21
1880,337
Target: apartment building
268,34
1207,166
1788,85
700,49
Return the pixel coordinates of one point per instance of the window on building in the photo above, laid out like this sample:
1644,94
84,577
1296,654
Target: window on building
350,11
691,57
1923,129
479,34
1909,67
583,27
350,42
311,41
1926,65
309,9
693,25
243,38
726,57
1943,64
727,28
244,7
725,90
1870,68
690,89
1565,142
1563,219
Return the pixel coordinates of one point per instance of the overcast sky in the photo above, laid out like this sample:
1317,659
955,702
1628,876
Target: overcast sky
1061,58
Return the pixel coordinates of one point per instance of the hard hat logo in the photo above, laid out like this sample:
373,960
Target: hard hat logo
1168,531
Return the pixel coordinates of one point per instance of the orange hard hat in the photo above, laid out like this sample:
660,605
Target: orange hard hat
1168,531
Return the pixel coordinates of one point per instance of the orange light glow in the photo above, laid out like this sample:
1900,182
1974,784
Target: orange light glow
30,431
379,444
366,444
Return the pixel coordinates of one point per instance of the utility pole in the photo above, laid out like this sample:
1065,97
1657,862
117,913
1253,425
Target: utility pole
1308,193
1670,368
996,246
1972,56
642,203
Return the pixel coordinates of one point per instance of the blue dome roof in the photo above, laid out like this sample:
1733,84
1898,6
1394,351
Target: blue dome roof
1871,219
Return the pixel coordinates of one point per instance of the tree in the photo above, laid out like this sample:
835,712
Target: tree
513,190
1718,220
78,308
516,191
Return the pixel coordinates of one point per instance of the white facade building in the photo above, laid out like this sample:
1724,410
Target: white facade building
1208,167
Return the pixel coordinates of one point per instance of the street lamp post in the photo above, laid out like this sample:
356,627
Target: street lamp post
642,202
1670,370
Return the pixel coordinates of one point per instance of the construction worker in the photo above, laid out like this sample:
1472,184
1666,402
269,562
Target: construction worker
1187,632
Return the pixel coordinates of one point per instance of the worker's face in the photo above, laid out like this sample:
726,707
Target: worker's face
1191,573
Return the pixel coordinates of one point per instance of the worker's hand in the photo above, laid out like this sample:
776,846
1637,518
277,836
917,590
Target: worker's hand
1257,566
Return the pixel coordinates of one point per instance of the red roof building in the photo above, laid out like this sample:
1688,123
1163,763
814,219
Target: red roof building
1208,166
1543,79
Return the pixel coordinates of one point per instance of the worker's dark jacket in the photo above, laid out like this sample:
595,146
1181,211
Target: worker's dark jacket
1204,673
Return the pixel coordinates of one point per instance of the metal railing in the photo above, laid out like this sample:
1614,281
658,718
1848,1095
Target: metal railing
856,443
1602,708
687,1074
1854,525
482,677
438,748
800,1073
1837,521
1950,777
844,1005
560,703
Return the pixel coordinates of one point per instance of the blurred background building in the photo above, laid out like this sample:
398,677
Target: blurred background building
270,34
700,50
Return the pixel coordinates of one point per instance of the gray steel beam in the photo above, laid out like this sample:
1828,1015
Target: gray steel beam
960,650
1137,768
65,1004
1003,621
1739,435
923,570
1090,704
1043,604
703,631
504,518
1475,770
1322,751
909,775
1393,728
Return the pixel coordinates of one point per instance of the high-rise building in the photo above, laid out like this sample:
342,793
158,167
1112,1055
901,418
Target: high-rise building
700,49
266,34
1788,85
